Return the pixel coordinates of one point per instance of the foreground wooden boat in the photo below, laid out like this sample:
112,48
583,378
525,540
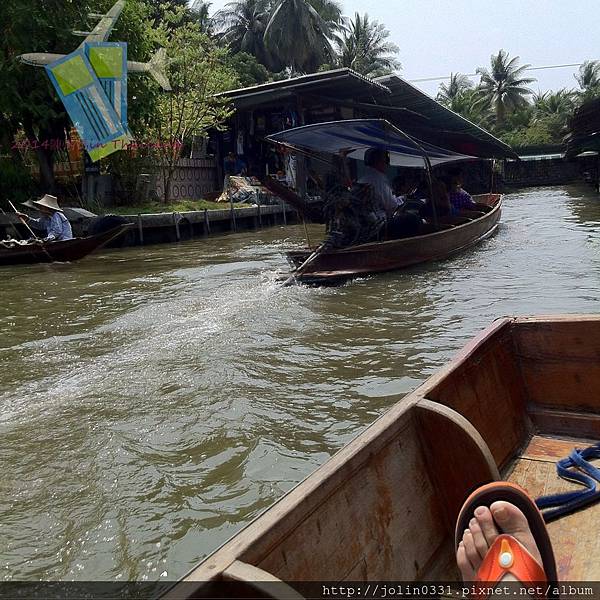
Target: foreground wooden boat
65,251
377,257
516,399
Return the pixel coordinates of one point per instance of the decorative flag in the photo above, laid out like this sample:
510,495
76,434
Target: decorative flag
87,104
109,61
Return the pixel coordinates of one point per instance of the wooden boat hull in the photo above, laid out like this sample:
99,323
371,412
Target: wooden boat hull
65,251
377,257
516,399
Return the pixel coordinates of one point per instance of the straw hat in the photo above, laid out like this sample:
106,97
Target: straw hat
48,201
29,204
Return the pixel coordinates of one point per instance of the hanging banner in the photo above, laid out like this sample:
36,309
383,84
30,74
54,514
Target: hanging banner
87,104
109,61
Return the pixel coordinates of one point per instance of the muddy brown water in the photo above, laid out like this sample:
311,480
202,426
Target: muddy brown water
154,400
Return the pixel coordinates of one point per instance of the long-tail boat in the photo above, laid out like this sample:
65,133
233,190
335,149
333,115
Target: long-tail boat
520,396
443,237
15,253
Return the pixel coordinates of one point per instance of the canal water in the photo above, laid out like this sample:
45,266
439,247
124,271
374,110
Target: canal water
154,400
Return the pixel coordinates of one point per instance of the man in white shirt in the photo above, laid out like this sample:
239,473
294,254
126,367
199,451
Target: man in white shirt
386,203
376,163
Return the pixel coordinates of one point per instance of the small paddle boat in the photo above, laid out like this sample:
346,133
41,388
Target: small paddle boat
14,252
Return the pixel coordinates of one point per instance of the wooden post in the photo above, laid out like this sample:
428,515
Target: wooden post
259,215
140,230
176,224
206,222
233,225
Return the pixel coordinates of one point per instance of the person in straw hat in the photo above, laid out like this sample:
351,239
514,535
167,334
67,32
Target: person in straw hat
53,220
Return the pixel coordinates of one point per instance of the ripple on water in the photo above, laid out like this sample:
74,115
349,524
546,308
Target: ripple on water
154,400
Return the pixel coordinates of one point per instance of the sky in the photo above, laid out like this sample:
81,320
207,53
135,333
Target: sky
437,37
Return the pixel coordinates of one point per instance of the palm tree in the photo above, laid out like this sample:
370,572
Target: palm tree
554,109
589,80
241,24
467,103
298,37
363,46
455,87
589,75
553,104
199,10
330,11
504,87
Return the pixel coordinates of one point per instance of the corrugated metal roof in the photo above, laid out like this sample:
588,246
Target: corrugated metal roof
337,83
442,126
422,116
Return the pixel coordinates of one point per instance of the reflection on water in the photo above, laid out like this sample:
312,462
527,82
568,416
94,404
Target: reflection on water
154,400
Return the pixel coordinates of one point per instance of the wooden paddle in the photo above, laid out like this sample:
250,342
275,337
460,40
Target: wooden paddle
292,278
23,221
35,237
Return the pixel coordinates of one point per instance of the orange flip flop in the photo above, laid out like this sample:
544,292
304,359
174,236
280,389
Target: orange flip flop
507,555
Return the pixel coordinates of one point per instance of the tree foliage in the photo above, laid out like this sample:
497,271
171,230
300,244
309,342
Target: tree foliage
364,47
454,89
298,37
588,79
502,91
27,99
504,86
198,71
241,25
467,103
247,69
589,75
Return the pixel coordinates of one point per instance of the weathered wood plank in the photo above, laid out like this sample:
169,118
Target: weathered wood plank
560,361
575,538
484,385
565,423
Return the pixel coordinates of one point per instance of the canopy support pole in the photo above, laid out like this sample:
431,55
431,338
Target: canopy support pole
430,185
428,172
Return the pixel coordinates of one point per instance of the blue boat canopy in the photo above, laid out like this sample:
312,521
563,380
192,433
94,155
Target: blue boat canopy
355,136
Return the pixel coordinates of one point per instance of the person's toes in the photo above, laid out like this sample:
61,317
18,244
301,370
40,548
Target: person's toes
464,565
512,521
471,550
486,523
478,538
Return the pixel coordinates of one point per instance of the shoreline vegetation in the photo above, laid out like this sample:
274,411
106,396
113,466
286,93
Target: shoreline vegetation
247,42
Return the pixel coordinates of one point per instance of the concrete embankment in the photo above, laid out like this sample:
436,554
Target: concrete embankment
169,227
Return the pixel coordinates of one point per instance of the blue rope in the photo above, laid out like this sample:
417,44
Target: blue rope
588,475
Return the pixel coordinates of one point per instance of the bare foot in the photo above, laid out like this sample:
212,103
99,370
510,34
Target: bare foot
484,528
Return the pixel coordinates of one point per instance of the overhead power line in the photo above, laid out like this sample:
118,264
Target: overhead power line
476,74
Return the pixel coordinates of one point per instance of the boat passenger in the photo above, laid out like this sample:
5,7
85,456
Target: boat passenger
443,208
459,198
53,222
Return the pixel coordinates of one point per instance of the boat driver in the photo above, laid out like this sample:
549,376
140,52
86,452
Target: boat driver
376,162
386,204
53,221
